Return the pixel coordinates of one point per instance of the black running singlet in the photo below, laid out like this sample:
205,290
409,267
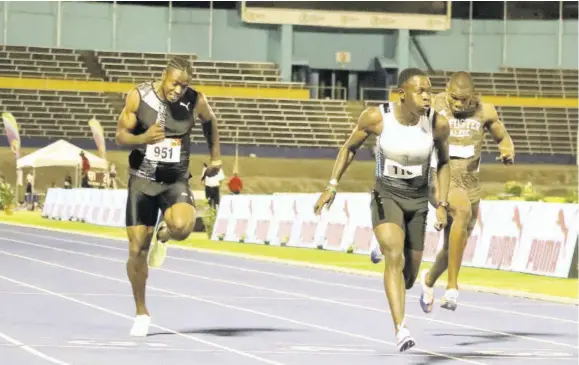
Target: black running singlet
168,160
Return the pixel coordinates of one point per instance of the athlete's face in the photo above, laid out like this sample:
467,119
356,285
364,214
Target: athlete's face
459,99
416,94
175,82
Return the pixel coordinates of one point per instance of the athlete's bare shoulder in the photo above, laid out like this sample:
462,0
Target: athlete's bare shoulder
440,105
488,113
370,120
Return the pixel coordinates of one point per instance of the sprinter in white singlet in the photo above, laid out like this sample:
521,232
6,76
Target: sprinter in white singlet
407,131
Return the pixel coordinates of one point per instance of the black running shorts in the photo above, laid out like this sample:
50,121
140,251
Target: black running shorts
408,214
145,198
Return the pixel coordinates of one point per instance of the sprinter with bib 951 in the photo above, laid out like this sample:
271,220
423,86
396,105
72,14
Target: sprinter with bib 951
157,120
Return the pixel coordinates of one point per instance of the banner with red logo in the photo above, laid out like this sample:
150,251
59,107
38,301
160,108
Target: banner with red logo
530,237
549,240
520,236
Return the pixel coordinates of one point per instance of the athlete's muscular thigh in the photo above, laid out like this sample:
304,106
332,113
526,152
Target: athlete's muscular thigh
178,207
459,204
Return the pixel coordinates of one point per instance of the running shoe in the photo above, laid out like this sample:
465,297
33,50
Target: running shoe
450,299
427,298
158,251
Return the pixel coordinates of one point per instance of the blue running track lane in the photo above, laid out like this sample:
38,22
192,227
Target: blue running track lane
65,299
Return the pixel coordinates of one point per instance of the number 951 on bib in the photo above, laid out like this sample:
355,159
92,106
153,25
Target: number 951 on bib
168,151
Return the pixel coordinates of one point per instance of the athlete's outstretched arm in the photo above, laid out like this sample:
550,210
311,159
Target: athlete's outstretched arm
499,133
128,121
367,124
441,134
210,130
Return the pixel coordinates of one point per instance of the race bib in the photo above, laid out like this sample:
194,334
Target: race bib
167,151
395,170
461,151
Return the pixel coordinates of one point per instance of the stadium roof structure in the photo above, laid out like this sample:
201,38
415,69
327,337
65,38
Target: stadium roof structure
60,153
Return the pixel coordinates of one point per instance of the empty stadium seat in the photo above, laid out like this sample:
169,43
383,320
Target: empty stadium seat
517,82
36,62
269,122
535,130
138,67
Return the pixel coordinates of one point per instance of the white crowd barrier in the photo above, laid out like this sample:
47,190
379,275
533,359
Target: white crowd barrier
95,206
530,237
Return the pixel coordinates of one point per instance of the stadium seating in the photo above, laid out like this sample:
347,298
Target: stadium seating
518,82
536,130
134,67
139,67
57,114
277,122
58,63
268,122
271,122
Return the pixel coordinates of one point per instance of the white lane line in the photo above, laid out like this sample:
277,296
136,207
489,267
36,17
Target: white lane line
309,280
196,339
29,349
319,299
525,295
242,309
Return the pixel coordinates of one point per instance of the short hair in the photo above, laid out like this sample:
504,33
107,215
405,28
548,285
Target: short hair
407,74
461,79
180,63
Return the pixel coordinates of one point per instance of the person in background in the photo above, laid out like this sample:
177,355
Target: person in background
212,184
235,184
29,185
113,176
85,167
68,181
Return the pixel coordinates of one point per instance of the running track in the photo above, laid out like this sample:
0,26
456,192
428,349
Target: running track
65,299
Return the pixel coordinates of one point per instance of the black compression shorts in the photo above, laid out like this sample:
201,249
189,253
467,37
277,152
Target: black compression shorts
408,214
145,198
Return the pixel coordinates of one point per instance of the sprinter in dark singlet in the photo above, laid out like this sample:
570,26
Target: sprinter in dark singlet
407,131
157,120
469,118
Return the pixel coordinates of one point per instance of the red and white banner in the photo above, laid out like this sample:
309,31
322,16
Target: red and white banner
530,237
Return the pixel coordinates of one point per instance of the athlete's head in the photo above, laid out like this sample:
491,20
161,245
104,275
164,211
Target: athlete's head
176,78
460,92
414,89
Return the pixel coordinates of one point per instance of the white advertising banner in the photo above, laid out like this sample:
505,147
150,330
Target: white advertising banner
530,237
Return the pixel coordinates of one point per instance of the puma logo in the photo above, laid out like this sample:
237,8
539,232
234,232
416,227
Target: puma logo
185,105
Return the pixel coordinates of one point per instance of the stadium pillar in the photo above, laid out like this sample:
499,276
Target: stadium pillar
5,22
287,40
403,49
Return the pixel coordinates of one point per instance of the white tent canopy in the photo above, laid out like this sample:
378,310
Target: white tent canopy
60,153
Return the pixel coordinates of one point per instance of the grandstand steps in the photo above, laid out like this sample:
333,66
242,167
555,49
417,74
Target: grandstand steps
92,65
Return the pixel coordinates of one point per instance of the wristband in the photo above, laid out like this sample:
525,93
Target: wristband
332,189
